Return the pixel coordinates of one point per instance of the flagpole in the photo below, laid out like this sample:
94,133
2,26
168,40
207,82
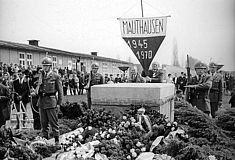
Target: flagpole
188,78
142,8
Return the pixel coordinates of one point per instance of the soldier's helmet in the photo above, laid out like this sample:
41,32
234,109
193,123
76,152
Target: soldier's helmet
213,65
46,61
200,65
95,66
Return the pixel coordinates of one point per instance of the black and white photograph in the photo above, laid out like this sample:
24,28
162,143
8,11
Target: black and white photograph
117,80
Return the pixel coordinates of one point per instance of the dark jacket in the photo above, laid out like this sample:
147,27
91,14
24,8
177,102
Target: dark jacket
50,86
95,79
4,104
22,90
217,88
232,100
199,96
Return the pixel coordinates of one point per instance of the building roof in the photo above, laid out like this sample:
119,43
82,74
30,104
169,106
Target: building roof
27,47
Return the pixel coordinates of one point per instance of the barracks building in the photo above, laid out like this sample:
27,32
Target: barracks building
32,53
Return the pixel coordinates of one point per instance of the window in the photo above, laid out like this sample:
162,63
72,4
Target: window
22,59
74,63
69,64
29,59
105,65
54,61
114,66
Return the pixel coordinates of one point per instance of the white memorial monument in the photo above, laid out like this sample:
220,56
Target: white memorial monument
117,97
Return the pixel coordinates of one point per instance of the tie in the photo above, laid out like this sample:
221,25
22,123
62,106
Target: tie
200,79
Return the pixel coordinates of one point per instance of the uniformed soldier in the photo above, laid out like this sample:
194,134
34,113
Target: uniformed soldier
49,85
216,89
93,78
199,88
155,75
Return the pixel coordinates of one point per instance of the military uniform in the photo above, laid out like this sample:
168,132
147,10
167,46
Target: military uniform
91,80
216,90
199,92
49,85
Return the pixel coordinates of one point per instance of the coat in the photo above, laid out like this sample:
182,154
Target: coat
199,95
4,103
22,90
217,88
50,86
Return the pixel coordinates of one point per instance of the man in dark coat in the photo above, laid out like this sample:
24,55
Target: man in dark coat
4,104
199,88
22,91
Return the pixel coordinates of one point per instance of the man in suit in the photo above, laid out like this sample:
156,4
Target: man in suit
175,81
216,89
135,77
182,81
155,75
179,95
22,91
199,88
49,86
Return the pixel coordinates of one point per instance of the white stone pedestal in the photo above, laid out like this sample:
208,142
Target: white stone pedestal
117,97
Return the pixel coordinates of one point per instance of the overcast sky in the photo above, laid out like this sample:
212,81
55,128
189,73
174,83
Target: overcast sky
204,29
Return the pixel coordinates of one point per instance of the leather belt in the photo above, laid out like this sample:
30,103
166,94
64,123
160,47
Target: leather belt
47,94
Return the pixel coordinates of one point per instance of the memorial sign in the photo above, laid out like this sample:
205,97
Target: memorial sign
144,36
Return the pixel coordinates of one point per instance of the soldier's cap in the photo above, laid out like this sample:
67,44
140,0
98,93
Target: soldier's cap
213,65
95,65
200,65
47,61
141,110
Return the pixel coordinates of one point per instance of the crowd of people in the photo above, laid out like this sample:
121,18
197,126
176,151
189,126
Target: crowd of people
43,87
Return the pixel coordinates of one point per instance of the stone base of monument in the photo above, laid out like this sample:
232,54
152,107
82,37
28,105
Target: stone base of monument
118,97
